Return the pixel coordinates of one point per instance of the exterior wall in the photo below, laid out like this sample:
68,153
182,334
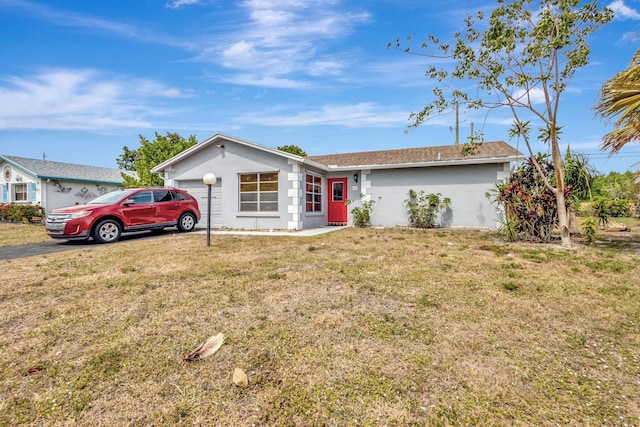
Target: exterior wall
464,185
57,193
314,219
227,160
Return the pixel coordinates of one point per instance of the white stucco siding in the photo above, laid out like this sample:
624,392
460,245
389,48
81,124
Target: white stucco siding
227,163
313,219
57,193
464,185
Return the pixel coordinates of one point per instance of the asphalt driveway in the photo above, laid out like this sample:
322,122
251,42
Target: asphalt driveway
52,246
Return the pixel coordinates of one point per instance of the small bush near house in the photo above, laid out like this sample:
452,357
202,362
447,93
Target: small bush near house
422,208
19,213
529,206
362,214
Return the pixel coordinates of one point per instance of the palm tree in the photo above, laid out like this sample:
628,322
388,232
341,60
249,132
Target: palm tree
621,96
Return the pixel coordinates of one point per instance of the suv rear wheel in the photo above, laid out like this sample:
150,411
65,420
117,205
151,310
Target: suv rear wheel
107,231
187,222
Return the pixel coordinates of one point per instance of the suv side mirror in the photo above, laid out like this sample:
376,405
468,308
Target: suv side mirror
128,202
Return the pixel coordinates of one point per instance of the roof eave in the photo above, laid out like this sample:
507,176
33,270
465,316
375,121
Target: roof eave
433,163
90,181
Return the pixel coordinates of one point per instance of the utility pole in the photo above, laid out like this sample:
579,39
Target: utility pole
44,156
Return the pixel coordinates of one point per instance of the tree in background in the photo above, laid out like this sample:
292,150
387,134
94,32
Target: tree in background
522,58
149,155
579,174
293,149
620,96
617,185
616,195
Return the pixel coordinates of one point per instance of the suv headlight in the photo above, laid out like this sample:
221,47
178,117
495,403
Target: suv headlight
80,214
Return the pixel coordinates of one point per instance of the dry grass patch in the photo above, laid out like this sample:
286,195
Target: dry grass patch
358,327
21,234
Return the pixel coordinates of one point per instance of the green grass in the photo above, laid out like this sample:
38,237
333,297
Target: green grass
370,327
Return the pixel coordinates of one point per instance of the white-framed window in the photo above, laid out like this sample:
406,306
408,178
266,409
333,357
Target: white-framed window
20,192
313,193
259,192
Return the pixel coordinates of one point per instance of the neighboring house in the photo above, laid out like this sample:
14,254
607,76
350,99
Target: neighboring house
260,187
53,184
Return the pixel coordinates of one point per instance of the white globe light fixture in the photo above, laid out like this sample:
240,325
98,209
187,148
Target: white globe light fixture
209,179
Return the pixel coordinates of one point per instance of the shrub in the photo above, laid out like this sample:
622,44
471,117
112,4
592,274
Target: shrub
601,211
588,226
529,207
620,208
422,208
362,214
19,213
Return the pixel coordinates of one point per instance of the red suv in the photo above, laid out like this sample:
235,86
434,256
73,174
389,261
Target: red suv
106,217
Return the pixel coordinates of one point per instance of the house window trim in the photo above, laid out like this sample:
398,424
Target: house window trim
258,201
319,185
25,192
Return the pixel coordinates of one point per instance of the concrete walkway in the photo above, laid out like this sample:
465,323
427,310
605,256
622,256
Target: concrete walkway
302,233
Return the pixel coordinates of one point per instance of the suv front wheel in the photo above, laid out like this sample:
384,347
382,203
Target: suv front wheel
107,231
187,222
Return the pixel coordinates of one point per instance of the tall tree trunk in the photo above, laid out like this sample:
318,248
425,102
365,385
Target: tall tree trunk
558,164
563,219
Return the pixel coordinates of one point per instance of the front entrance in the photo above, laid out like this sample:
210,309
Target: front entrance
337,214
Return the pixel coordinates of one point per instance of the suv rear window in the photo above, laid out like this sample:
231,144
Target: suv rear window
180,196
162,195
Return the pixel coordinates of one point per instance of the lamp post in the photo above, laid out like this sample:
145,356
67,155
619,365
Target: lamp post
209,179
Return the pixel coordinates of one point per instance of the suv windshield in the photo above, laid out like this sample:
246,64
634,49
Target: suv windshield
109,198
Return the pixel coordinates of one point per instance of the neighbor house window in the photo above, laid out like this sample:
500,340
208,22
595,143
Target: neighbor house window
259,192
313,192
20,192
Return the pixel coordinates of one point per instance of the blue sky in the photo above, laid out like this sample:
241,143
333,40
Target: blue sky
81,79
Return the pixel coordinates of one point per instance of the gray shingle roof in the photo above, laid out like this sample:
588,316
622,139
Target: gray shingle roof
66,171
488,150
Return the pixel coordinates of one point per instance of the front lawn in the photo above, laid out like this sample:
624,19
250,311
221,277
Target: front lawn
20,234
358,327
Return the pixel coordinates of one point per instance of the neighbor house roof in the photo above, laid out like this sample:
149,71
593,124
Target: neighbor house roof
47,169
445,154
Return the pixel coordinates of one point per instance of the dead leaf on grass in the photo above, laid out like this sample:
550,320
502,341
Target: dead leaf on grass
206,349
240,378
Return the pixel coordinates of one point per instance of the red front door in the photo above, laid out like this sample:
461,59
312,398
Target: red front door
337,201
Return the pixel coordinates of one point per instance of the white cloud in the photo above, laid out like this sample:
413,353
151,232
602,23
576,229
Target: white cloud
282,41
67,18
265,81
622,11
175,4
79,99
364,114
535,96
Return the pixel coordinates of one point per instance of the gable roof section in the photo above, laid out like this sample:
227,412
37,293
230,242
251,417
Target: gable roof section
46,169
220,138
489,152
